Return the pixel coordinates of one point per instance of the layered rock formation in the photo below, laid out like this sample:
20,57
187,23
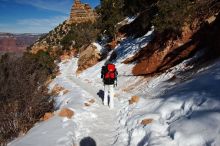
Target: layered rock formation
54,39
82,13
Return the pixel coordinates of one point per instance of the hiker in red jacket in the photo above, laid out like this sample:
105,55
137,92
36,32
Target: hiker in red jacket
109,75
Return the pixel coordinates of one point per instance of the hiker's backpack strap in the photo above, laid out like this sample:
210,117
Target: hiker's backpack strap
103,71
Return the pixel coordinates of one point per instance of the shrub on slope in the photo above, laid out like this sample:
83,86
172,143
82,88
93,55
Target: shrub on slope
23,98
79,35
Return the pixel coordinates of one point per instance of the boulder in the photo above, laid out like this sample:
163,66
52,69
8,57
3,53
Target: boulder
89,57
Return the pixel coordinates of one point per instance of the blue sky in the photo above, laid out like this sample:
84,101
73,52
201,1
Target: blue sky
35,16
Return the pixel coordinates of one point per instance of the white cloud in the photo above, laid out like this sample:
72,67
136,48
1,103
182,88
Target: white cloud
62,6
33,25
43,22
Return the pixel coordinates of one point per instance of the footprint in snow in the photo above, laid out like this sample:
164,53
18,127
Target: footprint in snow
66,140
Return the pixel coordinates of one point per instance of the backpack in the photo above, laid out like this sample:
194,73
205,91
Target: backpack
110,72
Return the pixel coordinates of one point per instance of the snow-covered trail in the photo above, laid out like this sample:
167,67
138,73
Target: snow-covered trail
177,111
96,121
101,128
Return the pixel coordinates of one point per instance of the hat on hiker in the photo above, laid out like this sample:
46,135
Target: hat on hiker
107,62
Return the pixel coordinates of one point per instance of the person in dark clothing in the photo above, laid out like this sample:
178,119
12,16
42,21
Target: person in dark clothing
109,75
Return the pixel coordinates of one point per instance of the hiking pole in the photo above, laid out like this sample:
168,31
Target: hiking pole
116,83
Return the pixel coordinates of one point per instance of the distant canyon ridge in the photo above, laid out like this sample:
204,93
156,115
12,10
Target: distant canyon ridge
16,43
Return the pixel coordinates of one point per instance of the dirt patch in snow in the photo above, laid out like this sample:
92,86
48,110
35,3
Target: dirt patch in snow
90,102
146,121
134,99
65,112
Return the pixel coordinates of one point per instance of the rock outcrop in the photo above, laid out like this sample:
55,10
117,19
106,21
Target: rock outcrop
89,57
82,13
39,46
56,40
166,51
158,58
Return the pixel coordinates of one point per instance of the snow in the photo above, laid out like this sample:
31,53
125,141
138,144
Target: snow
127,20
185,111
98,46
129,47
130,19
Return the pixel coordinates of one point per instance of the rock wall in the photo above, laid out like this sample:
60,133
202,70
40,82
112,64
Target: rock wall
89,57
161,55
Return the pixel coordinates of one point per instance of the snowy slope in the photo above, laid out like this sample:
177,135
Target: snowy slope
186,115
183,113
86,121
